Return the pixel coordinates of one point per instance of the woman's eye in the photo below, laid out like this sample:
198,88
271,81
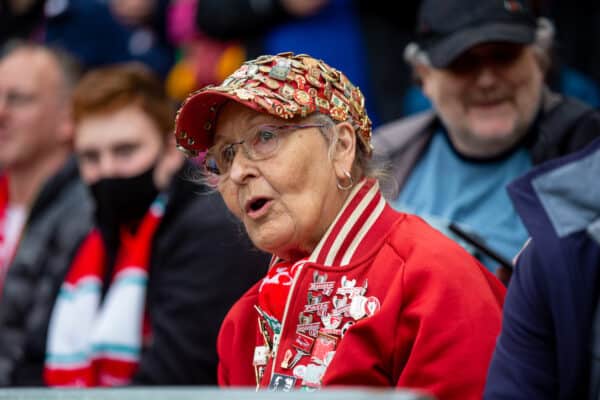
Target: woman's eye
265,135
228,153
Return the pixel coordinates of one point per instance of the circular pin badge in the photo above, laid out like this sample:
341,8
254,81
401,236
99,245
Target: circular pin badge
338,114
272,83
287,91
302,97
279,110
263,103
300,81
372,305
314,81
293,108
244,94
314,72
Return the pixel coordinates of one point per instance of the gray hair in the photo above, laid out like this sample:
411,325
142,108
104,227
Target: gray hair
364,165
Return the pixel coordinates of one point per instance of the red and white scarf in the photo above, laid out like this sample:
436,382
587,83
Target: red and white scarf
98,343
4,257
12,221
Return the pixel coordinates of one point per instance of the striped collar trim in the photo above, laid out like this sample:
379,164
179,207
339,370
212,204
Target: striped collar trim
351,233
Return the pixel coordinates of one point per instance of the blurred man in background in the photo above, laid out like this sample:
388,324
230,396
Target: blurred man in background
44,208
493,119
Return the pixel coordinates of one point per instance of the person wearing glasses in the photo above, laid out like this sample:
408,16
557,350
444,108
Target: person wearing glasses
45,210
356,293
493,119
147,289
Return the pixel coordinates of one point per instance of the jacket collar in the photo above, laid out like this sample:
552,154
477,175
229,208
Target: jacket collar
353,232
562,194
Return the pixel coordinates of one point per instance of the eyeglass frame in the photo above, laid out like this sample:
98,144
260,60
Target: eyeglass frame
286,128
15,98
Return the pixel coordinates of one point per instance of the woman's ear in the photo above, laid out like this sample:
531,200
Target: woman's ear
344,149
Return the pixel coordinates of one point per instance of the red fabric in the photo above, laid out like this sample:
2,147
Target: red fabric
3,195
435,331
134,251
274,289
3,207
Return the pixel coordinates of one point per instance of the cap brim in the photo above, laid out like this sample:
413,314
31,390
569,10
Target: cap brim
443,53
194,126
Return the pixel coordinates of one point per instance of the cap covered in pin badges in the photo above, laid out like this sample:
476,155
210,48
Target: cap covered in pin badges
286,86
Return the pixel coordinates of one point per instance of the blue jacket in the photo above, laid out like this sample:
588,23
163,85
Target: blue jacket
544,349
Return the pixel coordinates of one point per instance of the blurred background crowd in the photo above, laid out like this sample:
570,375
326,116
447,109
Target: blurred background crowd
191,43
91,183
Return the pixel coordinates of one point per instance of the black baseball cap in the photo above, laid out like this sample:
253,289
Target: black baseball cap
448,28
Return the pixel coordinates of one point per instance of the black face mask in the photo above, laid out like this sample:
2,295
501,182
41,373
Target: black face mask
123,201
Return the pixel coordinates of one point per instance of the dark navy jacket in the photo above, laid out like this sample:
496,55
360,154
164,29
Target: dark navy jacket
544,349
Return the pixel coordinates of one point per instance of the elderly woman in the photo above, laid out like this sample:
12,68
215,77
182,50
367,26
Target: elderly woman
357,293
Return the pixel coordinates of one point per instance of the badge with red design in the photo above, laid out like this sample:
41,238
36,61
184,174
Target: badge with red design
324,344
372,305
306,325
261,356
304,343
321,284
331,323
362,306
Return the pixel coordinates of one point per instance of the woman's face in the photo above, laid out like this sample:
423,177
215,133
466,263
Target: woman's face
288,200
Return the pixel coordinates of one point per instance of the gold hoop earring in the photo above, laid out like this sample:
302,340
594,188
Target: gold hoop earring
349,185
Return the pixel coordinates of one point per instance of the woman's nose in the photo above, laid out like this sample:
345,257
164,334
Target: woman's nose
241,167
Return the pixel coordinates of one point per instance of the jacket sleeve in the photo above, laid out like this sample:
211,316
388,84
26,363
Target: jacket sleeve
236,342
234,19
203,265
450,319
524,362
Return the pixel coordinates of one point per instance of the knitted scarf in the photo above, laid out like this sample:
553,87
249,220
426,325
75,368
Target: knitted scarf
98,343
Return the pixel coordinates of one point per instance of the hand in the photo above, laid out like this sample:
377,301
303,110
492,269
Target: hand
303,8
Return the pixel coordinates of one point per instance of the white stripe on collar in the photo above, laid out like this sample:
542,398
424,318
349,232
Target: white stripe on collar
364,196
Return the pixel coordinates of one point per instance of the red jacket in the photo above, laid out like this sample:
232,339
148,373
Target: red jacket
428,319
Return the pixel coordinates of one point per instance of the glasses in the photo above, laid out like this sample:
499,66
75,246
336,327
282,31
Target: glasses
14,99
259,144
495,54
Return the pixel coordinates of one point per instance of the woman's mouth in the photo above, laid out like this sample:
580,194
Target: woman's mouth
257,207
